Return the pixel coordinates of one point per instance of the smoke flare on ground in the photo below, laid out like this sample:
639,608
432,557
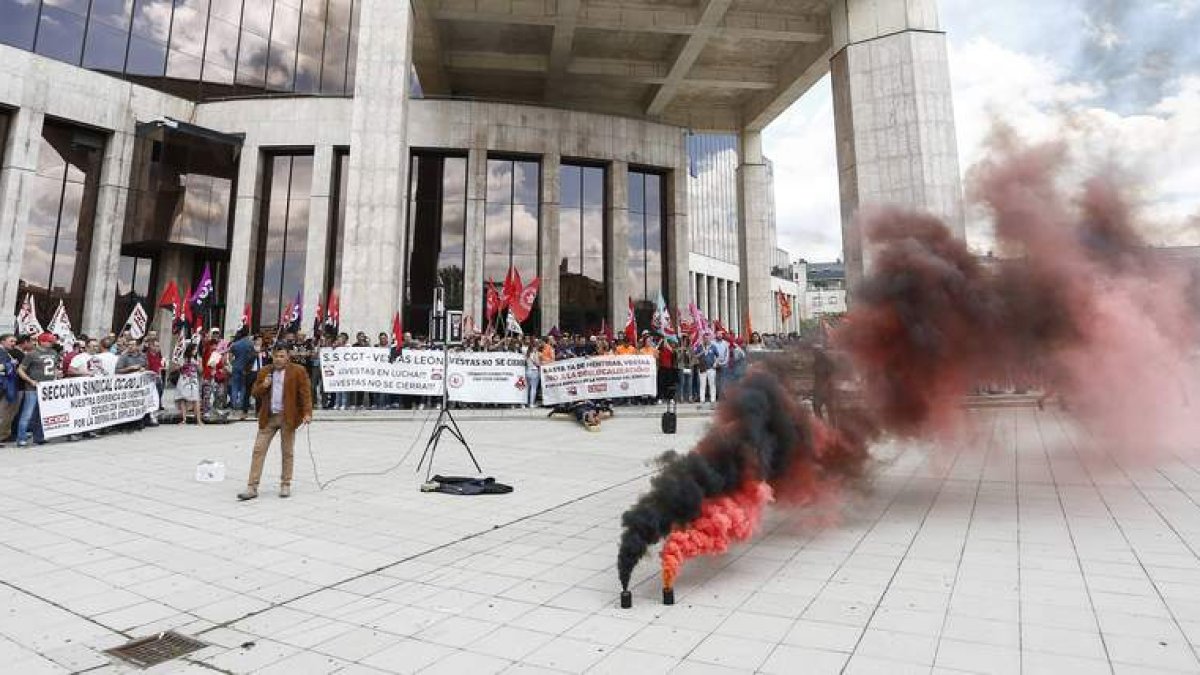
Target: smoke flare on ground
722,521
1079,305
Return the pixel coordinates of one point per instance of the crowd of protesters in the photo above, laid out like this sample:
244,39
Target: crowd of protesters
213,374
28,359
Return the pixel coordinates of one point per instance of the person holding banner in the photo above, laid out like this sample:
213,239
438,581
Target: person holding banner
40,365
285,403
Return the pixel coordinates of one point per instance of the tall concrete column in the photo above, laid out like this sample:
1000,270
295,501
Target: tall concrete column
473,241
755,244
710,300
893,116
16,198
548,296
678,253
318,233
722,312
373,246
107,228
243,249
735,313
618,244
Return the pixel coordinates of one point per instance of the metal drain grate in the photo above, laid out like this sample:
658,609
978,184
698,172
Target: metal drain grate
156,649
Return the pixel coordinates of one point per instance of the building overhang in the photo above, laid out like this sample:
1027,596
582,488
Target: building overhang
713,65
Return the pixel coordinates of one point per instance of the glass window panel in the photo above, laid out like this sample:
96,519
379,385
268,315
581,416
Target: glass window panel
339,13
653,194
314,9
569,233
593,232
454,181
61,35
281,67
526,182
183,66
527,265
229,10
285,24
312,37
593,186
252,60
301,177
217,73
79,7
221,48
125,272
569,185
146,57
19,24
308,74
498,230
453,221
499,181
637,194
525,230
352,54
256,17
593,268
333,69
35,263
187,29
105,49
112,13
152,20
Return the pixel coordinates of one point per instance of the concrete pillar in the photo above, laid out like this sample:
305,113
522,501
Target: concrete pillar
678,253
754,243
373,246
243,249
710,300
893,116
16,186
318,235
690,295
108,226
474,229
618,244
548,233
722,312
735,313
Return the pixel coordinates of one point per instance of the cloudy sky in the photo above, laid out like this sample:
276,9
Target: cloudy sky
1118,79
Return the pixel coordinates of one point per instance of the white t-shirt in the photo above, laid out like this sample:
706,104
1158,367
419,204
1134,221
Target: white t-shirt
85,364
108,363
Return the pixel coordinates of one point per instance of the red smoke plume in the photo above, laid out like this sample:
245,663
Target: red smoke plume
723,520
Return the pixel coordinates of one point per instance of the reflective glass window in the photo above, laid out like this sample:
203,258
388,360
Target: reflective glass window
58,240
437,224
645,274
220,51
20,23
105,47
333,266
60,33
512,222
583,303
133,286
283,234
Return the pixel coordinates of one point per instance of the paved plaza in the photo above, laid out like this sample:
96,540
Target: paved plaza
1015,553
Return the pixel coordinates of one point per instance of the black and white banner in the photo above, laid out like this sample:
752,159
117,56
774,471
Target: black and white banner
598,377
475,377
80,404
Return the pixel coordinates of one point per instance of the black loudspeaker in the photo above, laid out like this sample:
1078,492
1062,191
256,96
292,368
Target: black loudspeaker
669,418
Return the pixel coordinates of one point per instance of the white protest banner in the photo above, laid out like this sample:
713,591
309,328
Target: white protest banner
417,372
598,377
487,377
80,404
475,377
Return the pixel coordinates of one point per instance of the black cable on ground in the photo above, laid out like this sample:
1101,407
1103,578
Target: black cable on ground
321,485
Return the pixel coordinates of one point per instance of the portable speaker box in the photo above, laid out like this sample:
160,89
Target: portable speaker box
669,419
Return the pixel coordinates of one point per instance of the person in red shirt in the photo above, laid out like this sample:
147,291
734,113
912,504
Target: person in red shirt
668,373
154,363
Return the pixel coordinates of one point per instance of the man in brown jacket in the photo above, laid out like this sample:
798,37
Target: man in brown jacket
284,403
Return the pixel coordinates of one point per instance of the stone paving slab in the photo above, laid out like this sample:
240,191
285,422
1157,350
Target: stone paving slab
1013,553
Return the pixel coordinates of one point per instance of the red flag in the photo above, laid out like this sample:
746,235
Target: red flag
397,333
333,313
631,324
318,318
717,327
524,303
170,297
512,288
245,318
187,308
493,300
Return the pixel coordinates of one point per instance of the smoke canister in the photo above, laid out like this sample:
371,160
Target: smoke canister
668,595
626,599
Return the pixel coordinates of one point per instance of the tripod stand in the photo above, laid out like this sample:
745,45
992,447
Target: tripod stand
445,421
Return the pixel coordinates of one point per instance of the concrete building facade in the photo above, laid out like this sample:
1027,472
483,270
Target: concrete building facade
373,147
